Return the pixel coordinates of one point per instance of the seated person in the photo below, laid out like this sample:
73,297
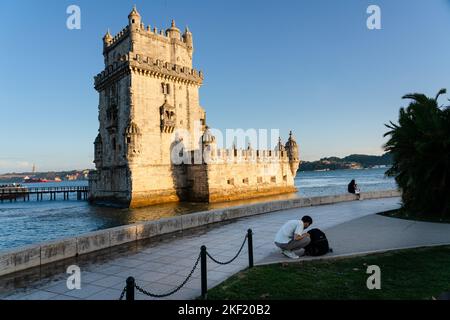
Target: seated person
291,239
353,188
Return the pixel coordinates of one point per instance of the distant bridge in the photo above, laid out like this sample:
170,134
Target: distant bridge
12,194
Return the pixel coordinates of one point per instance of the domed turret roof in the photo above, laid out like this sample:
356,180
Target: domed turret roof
134,13
107,36
132,129
173,27
291,141
187,31
207,136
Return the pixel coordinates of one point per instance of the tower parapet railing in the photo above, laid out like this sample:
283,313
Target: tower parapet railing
218,156
160,35
118,37
149,65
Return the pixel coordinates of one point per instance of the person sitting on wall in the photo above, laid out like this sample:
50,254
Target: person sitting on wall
291,239
353,188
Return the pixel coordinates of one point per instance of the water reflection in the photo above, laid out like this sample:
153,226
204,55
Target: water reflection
114,216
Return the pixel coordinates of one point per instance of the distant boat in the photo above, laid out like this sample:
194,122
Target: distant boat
34,180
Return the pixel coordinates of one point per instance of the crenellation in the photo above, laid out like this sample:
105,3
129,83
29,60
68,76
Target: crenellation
240,155
149,67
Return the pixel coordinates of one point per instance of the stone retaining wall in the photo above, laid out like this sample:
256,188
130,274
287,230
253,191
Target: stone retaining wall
19,259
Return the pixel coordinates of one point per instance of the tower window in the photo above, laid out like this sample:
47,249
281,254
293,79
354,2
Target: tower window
132,21
114,145
165,88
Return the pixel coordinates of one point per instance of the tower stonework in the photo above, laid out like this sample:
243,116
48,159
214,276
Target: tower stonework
148,94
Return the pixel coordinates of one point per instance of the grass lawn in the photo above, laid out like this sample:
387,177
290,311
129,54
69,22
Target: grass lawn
403,214
405,274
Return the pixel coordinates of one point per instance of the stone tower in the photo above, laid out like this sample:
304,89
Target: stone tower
149,111
147,90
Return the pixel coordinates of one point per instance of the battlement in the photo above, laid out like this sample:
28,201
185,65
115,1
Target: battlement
110,43
218,156
148,66
161,35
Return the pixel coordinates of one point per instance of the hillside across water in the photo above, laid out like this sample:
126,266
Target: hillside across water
354,161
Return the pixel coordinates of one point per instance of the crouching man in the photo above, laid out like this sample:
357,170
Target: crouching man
291,239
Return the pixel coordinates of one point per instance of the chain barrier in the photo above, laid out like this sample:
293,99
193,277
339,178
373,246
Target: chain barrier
154,295
201,257
123,293
231,260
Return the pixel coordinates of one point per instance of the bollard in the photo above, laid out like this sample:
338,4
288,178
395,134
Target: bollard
130,289
203,270
250,248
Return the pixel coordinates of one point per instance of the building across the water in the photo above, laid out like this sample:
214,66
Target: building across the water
150,114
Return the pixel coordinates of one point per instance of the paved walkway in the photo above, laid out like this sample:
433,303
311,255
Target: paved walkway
162,266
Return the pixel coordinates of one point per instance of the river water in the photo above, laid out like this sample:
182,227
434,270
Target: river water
23,223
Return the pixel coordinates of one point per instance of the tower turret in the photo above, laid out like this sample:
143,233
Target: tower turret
134,19
207,138
173,32
187,38
107,39
293,154
134,24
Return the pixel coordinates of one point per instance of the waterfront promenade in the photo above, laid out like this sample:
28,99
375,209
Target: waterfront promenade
352,228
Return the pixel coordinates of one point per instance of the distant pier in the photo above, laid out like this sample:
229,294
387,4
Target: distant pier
37,193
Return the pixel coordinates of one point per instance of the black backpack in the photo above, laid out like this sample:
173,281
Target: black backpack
318,245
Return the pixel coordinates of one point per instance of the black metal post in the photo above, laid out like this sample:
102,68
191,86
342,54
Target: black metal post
130,289
250,247
203,270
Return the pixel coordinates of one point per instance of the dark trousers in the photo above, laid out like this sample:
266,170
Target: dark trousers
294,245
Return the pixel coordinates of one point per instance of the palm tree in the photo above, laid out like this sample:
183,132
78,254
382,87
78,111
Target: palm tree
420,147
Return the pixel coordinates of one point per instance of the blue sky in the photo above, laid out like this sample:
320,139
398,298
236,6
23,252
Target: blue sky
310,66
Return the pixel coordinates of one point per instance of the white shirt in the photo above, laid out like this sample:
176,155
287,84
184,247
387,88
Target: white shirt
288,230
